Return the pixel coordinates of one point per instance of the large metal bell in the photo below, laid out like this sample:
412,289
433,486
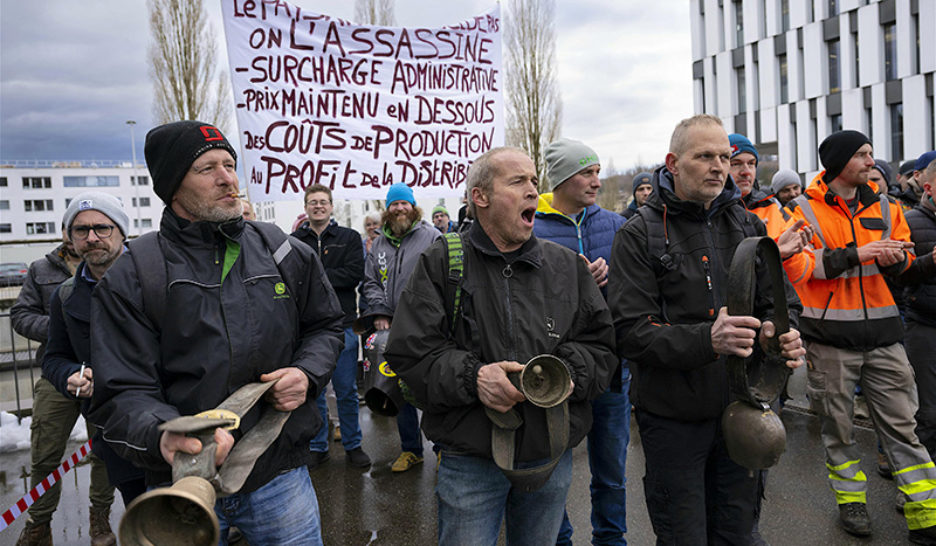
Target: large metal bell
755,437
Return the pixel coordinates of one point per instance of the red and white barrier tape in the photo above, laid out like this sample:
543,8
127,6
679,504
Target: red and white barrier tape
28,499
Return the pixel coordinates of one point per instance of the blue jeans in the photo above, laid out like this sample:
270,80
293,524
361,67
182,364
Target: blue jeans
474,496
345,382
284,511
607,460
408,427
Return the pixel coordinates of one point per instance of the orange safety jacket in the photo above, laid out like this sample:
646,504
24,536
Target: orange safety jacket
768,210
847,304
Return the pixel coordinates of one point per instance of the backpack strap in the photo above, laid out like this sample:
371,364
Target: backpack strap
150,264
657,241
744,219
455,262
287,261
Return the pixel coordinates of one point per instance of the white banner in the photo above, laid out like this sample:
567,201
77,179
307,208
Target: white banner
357,107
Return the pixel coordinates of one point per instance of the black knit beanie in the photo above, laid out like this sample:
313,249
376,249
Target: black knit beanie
172,148
837,149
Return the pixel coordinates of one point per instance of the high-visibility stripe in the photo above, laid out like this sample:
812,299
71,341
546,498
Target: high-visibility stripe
885,215
920,514
845,498
803,202
851,315
819,269
914,468
848,482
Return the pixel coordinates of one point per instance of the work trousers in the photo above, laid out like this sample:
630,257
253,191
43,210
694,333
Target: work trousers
920,342
696,495
887,382
53,419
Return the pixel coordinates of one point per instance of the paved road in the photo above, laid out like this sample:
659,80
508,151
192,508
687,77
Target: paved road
380,508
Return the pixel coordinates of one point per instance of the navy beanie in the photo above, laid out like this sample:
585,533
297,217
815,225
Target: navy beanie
837,150
640,180
171,149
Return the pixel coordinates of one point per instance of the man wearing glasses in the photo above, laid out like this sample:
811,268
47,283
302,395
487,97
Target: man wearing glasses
91,225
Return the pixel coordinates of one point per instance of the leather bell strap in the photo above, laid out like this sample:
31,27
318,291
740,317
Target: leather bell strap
243,456
503,445
759,379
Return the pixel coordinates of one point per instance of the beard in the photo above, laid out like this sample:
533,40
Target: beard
101,255
401,222
207,210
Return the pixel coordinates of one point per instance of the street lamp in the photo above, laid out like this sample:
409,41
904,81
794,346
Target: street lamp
134,179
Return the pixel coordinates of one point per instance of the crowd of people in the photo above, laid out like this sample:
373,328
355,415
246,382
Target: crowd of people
631,307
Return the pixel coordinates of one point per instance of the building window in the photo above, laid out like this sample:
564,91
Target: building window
6,228
37,182
739,23
896,119
40,228
835,122
915,54
91,181
147,223
4,204
784,15
857,64
890,52
869,121
755,86
143,180
742,101
784,79
3,181
833,8
835,72
144,201
37,205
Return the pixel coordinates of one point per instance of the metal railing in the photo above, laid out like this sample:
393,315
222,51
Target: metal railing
18,369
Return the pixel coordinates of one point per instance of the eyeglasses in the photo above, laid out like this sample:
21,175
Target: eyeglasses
324,202
103,231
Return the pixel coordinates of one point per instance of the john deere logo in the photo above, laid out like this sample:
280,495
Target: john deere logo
280,289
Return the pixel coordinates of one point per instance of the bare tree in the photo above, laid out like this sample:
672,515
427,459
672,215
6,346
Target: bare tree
374,12
534,105
183,58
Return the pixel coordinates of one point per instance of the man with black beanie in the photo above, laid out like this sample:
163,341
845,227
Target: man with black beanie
853,332
205,306
641,189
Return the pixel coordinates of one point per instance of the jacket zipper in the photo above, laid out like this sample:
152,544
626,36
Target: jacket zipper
710,264
508,273
708,282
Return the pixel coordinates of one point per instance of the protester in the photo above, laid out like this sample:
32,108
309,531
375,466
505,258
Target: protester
853,332
342,256
371,230
786,186
909,192
248,213
920,279
390,262
441,221
204,306
520,297
53,414
97,224
569,216
641,190
882,175
695,493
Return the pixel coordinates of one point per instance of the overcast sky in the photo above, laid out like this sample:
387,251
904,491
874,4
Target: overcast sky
72,73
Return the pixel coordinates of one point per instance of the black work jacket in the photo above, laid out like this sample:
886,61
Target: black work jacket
663,317
920,277
342,255
218,335
542,300
30,314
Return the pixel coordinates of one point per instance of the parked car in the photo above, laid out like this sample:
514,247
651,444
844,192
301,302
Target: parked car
13,273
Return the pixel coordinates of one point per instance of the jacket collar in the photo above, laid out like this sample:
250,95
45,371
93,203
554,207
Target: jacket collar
182,231
819,190
306,229
530,251
544,206
664,194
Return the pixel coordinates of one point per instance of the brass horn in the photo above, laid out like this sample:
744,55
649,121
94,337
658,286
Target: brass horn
544,381
181,514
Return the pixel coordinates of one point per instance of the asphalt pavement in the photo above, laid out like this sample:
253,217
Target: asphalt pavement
378,507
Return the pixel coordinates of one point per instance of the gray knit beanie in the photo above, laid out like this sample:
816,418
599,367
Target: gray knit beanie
784,178
566,157
104,203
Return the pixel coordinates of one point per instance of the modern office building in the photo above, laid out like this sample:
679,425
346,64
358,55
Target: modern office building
787,73
34,195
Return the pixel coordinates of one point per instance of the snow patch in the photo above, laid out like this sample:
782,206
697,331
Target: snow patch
14,434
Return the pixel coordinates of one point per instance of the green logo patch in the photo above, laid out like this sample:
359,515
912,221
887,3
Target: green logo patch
280,289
